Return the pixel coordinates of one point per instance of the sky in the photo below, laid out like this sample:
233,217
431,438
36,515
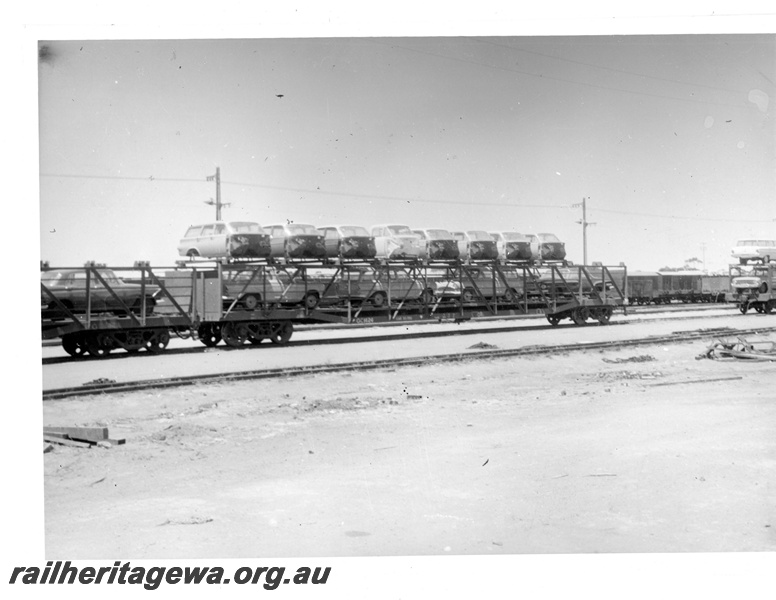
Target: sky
668,138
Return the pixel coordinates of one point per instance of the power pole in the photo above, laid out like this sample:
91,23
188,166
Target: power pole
585,224
218,204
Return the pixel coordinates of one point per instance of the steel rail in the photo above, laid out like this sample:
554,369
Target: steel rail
389,337
115,387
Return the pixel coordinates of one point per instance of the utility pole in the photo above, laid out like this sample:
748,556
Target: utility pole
218,204
703,249
585,224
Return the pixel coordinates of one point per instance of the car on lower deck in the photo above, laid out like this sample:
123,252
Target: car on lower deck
106,292
250,289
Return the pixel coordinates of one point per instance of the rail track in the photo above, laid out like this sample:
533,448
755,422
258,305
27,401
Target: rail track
533,350
405,335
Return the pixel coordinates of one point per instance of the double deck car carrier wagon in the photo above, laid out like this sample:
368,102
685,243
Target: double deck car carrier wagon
248,302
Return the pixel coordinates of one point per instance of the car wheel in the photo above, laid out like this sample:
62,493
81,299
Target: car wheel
379,299
311,300
250,301
192,253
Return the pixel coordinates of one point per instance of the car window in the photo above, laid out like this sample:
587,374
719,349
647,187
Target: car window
480,236
420,233
439,234
193,231
208,229
220,229
329,233
245,227
354,231
458,235
549,237
399,229
296,229
512,236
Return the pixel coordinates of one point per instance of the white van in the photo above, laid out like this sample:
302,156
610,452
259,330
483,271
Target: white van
225,239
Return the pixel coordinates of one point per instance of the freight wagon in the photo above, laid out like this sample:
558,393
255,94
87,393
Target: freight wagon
675,286
248,303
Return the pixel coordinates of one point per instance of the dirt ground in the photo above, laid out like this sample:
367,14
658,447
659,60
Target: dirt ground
641,449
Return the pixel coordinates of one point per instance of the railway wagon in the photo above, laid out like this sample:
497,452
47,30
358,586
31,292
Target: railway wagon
753,287
656,287
248,303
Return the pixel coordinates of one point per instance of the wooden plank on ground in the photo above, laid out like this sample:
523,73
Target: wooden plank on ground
65,442
82,433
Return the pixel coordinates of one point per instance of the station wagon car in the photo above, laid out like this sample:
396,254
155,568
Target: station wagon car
754,250
294,241
225,239
106,293
248,289
550,247
513,245
475,245
348,242
437,244
395,242
489,284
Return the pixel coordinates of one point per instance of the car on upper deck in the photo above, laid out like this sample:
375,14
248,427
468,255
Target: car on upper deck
348,242
225,239
514,246
475,245
437,244
296,241
549,247
396,242
757,250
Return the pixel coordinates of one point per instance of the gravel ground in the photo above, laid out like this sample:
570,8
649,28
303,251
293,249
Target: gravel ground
638,450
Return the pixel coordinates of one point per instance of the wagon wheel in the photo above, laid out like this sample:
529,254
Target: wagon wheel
99,345
758,308
209,335
281,332
134,341
311,300
769,306
74,345
251,301
379,299
234,334
158,342
743,307
578,316
553,319
603,314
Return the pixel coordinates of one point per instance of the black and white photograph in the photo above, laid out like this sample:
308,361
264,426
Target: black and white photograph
478,295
